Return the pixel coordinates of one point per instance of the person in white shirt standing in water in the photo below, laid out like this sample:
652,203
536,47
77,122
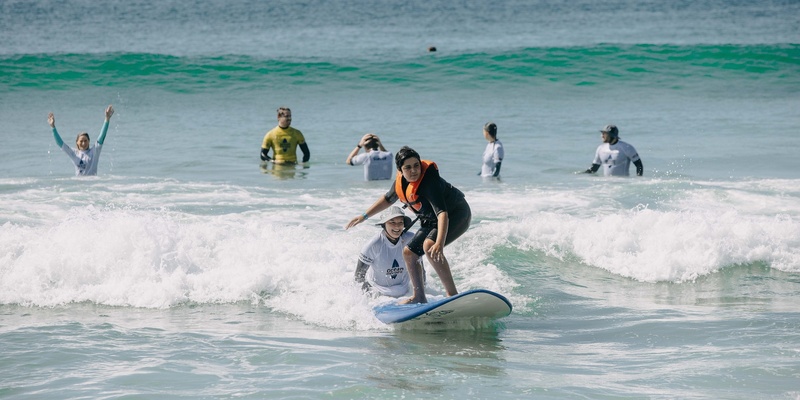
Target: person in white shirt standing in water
494,152
84,157
378,163
614,155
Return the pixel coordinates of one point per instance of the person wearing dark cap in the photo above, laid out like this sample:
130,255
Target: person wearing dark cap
443,212
381,267
493,154
614,155
376,160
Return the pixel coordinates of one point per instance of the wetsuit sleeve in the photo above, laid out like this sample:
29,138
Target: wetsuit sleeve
497,168
391,195
266,144
361,271
57,137
306,151
597,160
103,131
593,169
499,153
639,167
365,259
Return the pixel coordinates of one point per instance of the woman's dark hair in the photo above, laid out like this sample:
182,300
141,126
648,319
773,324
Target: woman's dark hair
404,154
491,127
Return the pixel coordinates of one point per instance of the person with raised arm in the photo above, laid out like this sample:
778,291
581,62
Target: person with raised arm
376,160
85,157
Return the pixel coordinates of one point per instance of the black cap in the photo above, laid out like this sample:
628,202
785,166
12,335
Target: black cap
611,130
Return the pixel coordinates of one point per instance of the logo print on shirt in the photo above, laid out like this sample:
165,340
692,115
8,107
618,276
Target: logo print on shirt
285,145
612,158
396,269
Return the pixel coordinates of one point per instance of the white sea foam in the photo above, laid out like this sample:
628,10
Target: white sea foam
691,234
166,243
157,258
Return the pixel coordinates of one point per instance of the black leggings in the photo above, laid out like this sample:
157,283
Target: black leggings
459,216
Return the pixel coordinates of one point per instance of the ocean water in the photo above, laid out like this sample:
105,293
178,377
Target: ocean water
186,270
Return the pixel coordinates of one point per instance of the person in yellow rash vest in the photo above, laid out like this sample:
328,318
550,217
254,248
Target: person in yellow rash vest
283,140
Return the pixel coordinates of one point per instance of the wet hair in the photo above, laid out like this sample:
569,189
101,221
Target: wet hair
491,128
82,134
283,111
404,154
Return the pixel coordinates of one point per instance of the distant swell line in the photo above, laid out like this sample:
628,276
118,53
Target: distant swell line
636,64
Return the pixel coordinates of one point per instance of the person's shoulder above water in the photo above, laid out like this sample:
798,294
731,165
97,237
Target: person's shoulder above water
287,146
85,156
493,154
376,159
615,155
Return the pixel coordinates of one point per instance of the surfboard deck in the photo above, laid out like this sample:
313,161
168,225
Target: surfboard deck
477,303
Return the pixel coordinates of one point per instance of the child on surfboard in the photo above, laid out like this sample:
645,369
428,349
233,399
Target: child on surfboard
381,267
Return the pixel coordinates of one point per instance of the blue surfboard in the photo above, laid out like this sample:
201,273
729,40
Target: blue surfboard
478,303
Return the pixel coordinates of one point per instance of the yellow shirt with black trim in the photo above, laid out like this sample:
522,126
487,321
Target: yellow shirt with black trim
283,143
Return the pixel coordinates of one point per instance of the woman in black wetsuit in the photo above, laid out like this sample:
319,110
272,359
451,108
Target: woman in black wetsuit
442,210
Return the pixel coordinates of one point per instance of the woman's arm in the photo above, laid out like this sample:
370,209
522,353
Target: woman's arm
360,275
353,153
497,157
361,271
375,208
109,113
442,223
51,119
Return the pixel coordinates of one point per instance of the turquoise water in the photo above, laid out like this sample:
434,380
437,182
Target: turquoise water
184,270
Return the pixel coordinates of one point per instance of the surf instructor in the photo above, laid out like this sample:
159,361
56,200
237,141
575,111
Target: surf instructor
283,140
443,213
614,155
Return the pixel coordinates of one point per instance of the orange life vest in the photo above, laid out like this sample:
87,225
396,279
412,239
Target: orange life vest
409,194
